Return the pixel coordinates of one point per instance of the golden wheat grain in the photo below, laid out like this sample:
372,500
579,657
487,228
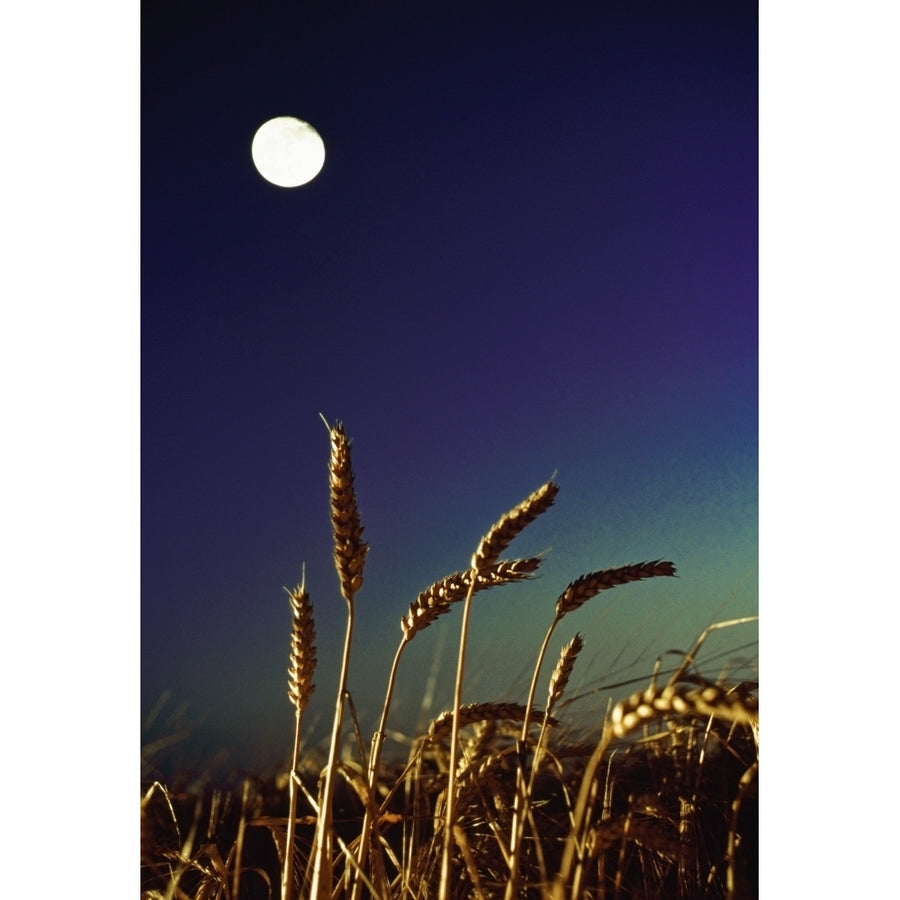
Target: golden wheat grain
479,712
435,600
563,671
710,700
582,589
512,523
349,548
303,649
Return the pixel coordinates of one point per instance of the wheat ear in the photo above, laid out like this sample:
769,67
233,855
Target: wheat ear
349,548
303,649
563,671
300,688
508,526
709,700
437,599
582,589
349,557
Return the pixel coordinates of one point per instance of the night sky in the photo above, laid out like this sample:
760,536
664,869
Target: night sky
533,249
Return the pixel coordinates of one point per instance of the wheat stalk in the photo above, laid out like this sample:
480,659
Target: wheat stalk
748,779
475,796
300,688
431,603
521,803
488,551
349,558
708,700
576,594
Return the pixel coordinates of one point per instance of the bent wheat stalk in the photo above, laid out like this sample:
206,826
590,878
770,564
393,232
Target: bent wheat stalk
434,601
572,598
497,539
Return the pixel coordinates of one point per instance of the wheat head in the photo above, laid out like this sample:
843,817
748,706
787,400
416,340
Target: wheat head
435,600
508,526
709,700
303,649
582,589
349,548
563,671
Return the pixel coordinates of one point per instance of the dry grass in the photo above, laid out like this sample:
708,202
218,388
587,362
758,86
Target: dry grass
495,800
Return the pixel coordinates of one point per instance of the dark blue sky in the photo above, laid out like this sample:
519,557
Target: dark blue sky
532,249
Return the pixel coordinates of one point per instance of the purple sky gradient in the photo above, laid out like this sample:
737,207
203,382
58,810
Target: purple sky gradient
532,249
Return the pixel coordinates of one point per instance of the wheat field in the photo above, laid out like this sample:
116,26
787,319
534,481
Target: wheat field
495,800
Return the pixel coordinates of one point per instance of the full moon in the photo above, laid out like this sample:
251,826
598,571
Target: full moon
287,151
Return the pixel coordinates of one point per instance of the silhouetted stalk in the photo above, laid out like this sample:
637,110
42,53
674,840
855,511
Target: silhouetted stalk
322,875
520,803
288,870
372,774
572,598
748,779
566,879
450,817
239,840
430,604
349,558
497,539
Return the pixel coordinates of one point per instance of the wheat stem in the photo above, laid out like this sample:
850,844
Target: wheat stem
520,803
288,869
431,603
497,539
323,847
300,689
349,557
450,813
576,594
